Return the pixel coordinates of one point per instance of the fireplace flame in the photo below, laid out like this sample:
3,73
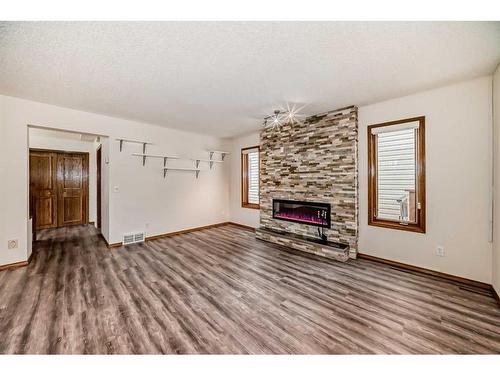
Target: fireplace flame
301,217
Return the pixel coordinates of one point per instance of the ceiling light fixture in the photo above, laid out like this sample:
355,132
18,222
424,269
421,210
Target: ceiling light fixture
281,117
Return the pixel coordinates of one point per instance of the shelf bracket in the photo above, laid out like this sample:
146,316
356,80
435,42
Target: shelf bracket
211,164
165,173
123,140
223,155
211,154
197,173
197,165
144,152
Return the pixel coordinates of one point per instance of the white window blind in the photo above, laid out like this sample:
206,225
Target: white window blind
392,128
395,171
253,176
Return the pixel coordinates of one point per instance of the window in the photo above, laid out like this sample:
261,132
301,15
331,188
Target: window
250,177
396,175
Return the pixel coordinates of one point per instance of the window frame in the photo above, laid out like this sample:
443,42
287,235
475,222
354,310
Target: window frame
244,179
419,225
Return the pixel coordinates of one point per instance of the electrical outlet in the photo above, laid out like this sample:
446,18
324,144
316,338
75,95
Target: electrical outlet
12,244
440,251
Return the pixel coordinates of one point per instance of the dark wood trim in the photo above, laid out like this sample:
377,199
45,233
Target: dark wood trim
250,147
86,186
184,231
170,234
495,295
251,205
17,264
419,226
98,187
58,151
426,271
244,179
242,226
110,246
24,263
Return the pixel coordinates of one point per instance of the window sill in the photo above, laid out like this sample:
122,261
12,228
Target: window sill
251,205
416,228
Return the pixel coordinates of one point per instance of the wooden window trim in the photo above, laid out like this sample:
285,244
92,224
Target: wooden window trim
244,179
419,226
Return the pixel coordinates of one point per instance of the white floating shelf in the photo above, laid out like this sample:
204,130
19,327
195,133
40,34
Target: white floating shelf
157,156
211,162
133,141
181,169
143,143
164,157
222,153
145,155
204,160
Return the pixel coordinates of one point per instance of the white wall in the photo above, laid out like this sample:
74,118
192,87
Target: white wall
496,160
458,181
144,199
49,140
238,214
3,176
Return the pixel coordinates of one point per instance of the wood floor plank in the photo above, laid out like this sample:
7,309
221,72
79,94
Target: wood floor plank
222,291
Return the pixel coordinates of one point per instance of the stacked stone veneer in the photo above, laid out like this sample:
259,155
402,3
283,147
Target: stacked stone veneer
315,161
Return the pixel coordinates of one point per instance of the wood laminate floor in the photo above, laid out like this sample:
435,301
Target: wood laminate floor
221,290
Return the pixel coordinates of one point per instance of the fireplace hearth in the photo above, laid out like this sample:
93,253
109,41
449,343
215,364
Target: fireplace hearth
309,213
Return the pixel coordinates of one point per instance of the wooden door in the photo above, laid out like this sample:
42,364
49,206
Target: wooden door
72,188
43,189
98,162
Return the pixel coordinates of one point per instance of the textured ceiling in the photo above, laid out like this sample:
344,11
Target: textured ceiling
221,78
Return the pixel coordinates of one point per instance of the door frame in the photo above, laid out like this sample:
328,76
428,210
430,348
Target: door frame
85,178
98,161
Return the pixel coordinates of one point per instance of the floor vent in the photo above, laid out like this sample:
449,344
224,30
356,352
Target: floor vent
129,238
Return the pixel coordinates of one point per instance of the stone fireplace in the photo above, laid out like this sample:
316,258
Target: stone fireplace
308,171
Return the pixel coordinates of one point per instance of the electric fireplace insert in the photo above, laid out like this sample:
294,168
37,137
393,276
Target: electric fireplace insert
311,213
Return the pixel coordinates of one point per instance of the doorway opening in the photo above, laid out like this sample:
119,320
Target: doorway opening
59,188
65,177
98,187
